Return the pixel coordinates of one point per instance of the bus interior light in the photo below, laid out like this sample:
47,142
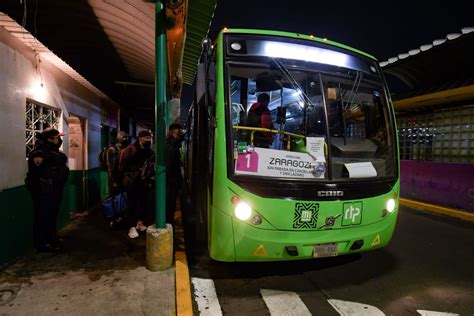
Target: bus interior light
391,205
243,211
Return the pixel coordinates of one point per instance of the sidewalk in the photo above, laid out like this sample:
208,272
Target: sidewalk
438,210
100,272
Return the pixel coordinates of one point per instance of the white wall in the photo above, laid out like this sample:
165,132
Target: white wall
91,111
20,80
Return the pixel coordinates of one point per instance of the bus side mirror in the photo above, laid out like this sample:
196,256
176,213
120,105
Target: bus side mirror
204,86
212,83
200,82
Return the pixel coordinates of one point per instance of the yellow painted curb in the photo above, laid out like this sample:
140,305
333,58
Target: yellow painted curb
184,304
431,208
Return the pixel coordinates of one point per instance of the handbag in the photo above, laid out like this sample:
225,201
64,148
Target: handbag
114,206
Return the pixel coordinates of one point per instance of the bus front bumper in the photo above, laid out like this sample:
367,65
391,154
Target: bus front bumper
254,244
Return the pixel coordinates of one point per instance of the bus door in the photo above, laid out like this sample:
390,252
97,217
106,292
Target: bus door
200,146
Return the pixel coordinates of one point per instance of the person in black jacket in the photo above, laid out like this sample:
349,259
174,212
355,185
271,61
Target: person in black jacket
173,170
140,194
114,176
46,177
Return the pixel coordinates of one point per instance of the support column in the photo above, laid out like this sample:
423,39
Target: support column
160,236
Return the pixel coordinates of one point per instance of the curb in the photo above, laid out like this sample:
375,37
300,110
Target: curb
437,209
184,304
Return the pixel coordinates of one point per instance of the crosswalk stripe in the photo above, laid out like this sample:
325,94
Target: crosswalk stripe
432,313
206,297
345,308
284,303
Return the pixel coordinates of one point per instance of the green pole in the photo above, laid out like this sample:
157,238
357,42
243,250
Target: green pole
160,115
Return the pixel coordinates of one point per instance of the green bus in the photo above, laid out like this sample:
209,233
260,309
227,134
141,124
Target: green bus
290,149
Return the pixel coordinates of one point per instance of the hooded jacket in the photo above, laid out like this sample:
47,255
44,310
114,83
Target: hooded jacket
52,173
259,116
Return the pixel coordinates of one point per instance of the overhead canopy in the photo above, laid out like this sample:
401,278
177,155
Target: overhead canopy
111,41
200,14
442,65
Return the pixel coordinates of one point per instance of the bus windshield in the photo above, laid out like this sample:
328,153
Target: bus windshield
298,119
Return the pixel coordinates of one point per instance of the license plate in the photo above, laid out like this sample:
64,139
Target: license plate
325,250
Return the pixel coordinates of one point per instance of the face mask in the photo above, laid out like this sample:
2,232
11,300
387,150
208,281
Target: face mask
125,142
58,145
147,144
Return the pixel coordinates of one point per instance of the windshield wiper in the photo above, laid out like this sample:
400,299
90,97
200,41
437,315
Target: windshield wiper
350,101
354,90
341,113
293,81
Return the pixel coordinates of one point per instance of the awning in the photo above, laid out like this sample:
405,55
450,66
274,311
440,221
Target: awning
445,64
110,41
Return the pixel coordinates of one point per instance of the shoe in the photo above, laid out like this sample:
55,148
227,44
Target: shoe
48,248
132,233
141,227
58,241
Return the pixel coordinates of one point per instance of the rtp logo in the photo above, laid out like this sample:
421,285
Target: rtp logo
352,213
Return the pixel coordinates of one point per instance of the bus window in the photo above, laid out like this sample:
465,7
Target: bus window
358,125
279,114
273,120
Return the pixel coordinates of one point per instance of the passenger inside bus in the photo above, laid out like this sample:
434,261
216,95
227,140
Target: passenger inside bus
259,116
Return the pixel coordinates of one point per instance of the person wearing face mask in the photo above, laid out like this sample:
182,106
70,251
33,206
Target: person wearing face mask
132,161
46,177
114,176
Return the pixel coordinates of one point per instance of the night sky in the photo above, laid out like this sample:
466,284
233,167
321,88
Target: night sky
381,28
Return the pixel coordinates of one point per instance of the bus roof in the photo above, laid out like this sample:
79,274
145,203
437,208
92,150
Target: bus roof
297,35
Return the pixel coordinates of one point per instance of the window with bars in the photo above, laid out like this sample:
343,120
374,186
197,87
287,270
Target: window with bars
38,118
445,135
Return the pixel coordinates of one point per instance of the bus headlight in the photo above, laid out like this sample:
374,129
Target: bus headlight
391,205
243,211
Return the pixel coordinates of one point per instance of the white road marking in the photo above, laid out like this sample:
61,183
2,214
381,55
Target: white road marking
206,297
346,308
284,303
432,313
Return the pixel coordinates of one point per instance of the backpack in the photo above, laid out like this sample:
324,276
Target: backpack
148,171
103,158
254,117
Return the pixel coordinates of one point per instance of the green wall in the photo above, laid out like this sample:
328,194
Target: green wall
16,224
16,211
